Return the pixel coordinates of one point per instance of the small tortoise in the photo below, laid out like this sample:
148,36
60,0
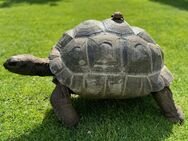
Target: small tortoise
102,59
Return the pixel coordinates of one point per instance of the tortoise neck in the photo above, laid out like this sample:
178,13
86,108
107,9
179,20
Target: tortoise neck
41,67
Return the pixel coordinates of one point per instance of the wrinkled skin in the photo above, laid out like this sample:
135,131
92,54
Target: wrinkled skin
61,100
165,101
62,106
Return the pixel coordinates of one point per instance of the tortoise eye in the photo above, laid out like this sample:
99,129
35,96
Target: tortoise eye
12,63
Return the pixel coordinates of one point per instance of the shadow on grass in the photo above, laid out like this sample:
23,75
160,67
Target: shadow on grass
137,119
181,4
9,3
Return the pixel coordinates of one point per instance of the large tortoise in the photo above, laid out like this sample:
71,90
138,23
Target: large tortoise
108,59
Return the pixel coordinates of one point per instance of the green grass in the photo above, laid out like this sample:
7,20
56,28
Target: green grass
33,27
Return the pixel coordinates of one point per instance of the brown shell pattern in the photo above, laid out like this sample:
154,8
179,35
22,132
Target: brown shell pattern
109,60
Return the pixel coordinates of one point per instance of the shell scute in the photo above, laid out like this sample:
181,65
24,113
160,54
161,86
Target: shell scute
117,28
88,28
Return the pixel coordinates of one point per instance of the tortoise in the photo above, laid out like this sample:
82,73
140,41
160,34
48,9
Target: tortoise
106,59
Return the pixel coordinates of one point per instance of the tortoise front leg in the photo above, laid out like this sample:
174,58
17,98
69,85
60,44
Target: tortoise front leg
165,101
61,103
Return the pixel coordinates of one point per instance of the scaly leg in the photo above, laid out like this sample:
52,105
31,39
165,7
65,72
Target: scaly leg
165,101
61,103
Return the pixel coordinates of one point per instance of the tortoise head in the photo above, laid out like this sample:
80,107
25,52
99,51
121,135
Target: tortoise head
28,65
21,64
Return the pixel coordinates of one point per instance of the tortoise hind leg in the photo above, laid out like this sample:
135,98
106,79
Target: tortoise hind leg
165,101
63,109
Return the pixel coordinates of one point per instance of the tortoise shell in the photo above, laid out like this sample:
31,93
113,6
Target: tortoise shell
109,59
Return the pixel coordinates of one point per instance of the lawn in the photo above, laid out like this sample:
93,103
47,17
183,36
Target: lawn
34,26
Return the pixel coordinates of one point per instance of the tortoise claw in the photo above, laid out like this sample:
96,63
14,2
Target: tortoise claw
177,118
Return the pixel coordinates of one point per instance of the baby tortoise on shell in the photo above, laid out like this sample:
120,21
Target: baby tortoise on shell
102,59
